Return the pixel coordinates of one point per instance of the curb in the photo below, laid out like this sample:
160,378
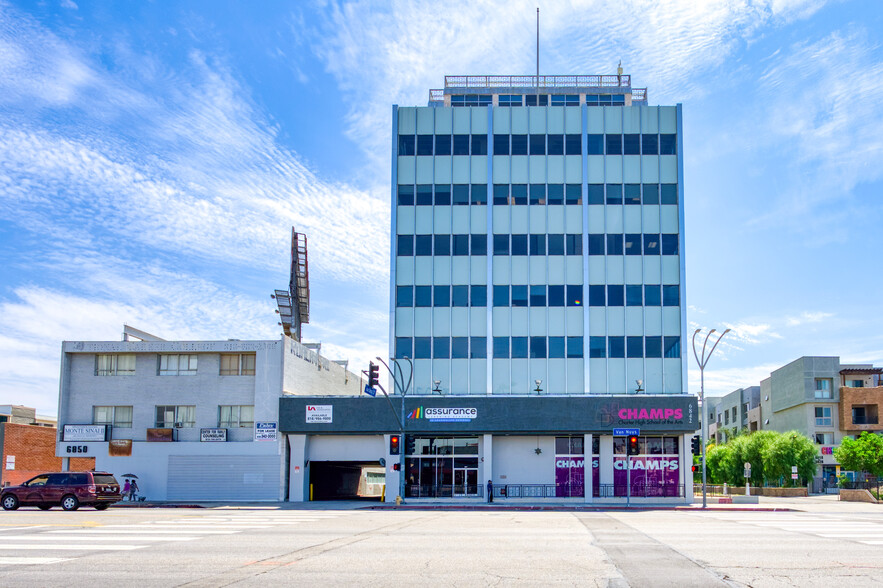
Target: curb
578,508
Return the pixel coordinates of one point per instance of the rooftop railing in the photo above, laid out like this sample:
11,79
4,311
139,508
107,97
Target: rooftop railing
611,81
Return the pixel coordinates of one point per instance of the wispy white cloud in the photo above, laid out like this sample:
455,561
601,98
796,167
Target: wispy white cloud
807,318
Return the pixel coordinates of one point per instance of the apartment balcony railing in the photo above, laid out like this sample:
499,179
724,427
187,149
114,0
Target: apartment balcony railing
865,420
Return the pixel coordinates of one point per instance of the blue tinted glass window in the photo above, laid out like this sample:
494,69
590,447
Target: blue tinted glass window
573,144
632,194
614,193
615,295
596,244
422,296
460,195
614,144
519,244
669,244
422,347
501,295
574,295
668,145
631,144
442,296
479,144
479,194
672,347
442,144
501,193
519,347
538,144
556,295
574,347
651,244
501,244
478,347
406,195
461,144
519,144
478,245
519,295
556,347
573,194
538,296
441,348
669,193
405,244
652,296
670,296
573,244
478,295
650,144
651,194
442,195
615,347
596,193
634,347
632,244
404,296
407,145
460,245
555,194
459,347
403,347
424,144
501,347
460,296
556,144
596,296
534,100
634,295
501,144
653,347
424,194
538,348
519,194
614,244
556,244
537,194
442,245
597,347
423,245
537,244
595,144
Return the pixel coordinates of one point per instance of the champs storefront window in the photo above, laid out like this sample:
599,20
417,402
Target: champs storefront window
655,470
441,467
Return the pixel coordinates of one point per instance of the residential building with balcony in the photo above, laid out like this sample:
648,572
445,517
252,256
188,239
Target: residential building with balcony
733,413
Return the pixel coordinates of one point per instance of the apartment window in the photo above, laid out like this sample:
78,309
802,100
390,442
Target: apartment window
238,364
478,347
855,383
442,144
573,194
168,417
597,347
460,195
501,295
634,295
459,295
118,364
556,295
614,244
422,296
669,244
424,144
479,194
573,144
403,347
537,244
650,144
519,295
478,245
537,144
556,347
461,144
555,194
519,244
651,244
633,244
670,296
614,194
537,194
424,195
519,144
177,365
538,347
596,193
726,417
460,245
595,144
865,414
669,193
556,144
442,245
631,144
614,144
575,347
615,295
650,194
422,347
116,416
406,195
441,296
501,144
519,347
441,348
478,295
824,388
668,144
574,295
824,438
479,144
652,295
673,348
537,296
501,244
501,347
615,347
406,145
556,244
634,347
632,194
573,244
442,195
405,245
823,416
233,417
653,347
596,244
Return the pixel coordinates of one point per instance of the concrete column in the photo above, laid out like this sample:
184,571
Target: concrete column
587,469
487,461
299,477
605,459
686,452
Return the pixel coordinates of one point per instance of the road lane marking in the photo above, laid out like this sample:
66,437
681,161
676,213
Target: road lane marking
31,561
95,547
150,531
91,537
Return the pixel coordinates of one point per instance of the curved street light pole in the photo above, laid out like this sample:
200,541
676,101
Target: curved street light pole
403,391
702,363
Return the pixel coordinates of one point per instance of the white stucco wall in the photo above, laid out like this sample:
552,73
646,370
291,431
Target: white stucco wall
515,460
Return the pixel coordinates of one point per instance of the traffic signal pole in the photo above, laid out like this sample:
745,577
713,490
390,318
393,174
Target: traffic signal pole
403,390
702,362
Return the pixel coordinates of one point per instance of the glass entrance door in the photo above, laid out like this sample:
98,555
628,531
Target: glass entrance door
465,482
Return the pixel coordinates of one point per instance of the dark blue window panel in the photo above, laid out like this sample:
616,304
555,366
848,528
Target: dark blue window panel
442,245
478,348
615,347
573,244
537,144
519,295
478,245
442,144
538,348
573,144
596,244
573,194
615,295
479,194
403,348
501,244
459,347
537,194
536,100
422,347
614,244
632,194
441,348
669,193
555,194
538,296
634,347
595,144
406,195
614,194
556,144
574,295
407,145
442,195
614,144
537,244
633,244
670,296
501,295
668,144
501,144
519,144
556,347
631,144
459,295
460,245
404,296
596,296
501,193
518,194
424,144
669,244
651,244
519,244
478,295
423,245
672,347
597,347
423,296
653,347
460,195
479,144
575,347
651,194
650,144
519,347
596,193
556,295
405,245
501,347
556,244
424,194
461,144
442,296
652,295
634,295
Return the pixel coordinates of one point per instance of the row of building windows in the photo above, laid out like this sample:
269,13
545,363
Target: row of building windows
631,244
537,295
509,100
636,347
540,144
182,416
177,364
534,194
538,244
476,347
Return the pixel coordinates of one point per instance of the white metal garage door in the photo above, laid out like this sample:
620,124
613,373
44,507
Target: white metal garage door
223,477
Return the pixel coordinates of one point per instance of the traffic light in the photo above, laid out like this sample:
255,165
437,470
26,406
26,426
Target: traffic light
397,467
633,445
695,469
410,445
394,447
696,444
373,374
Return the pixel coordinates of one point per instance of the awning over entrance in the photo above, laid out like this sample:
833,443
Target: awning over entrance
490,414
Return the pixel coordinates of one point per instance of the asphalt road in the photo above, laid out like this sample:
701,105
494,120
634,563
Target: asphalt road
345,547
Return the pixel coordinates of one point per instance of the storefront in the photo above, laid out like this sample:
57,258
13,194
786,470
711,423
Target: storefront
529,447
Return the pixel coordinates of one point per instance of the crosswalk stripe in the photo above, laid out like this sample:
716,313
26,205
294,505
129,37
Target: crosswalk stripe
105,530
859,534
90,537
81,547
872,542
30,561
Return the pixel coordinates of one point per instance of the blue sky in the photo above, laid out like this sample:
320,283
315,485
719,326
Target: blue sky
154,155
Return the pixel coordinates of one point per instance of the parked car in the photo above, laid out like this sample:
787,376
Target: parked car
70,490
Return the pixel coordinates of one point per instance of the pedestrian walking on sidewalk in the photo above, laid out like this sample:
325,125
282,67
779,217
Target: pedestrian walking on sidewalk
490,491
126,490
133,491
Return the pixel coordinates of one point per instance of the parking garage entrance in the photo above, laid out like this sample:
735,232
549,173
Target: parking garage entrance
346,480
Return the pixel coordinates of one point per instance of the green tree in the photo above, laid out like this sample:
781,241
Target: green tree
863,454
714,456
787,450
755,445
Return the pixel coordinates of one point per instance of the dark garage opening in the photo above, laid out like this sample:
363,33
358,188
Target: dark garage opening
347,480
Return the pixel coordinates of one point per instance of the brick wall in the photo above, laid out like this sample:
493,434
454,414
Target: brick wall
850,397
34,451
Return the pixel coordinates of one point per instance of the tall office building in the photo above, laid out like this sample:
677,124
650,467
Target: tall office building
537,238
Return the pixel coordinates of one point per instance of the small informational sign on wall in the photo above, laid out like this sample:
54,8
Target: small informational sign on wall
265,431
10,462
319,413
119,448
160,435
85,432
212,435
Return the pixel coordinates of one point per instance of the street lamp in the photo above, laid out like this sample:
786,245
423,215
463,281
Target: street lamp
403,390
702,363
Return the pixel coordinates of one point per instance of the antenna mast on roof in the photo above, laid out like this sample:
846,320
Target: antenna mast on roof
538,54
